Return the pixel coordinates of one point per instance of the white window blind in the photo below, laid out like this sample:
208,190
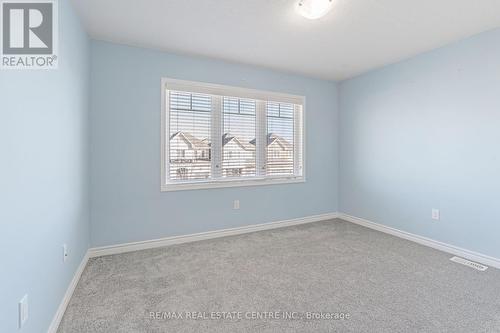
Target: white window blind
280,138
239,121
189,133
218,136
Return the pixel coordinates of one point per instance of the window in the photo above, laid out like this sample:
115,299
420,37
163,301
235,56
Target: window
219,136
189,136
239,120
280,138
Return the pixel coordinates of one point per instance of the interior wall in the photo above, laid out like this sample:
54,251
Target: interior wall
44,178
424,134
126,201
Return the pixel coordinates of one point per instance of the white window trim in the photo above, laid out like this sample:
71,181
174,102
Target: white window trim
216,89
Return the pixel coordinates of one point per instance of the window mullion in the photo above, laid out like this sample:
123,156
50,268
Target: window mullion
165,132
216,137
297,140
261,140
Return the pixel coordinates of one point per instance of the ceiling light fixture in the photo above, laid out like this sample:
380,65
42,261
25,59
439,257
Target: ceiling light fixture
314,9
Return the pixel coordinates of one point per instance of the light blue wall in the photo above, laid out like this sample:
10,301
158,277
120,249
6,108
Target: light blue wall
126,201
413,136
425,133
44,163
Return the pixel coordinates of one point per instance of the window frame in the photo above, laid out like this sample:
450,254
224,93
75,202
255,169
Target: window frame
230,91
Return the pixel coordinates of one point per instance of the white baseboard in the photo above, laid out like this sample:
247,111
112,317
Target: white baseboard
149,244
129,247
474,256
54,325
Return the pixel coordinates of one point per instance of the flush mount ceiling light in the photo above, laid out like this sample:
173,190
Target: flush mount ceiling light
314,9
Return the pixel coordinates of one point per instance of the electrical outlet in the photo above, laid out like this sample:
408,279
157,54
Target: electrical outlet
65,252
435,214
236,204
23,311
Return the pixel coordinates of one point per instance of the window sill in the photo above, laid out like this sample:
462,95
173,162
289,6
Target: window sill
229,183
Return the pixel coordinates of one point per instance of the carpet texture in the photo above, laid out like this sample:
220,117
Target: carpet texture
350,278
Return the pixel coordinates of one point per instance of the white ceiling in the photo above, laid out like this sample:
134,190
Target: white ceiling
356,36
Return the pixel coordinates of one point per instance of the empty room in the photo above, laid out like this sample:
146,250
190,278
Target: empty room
249,166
